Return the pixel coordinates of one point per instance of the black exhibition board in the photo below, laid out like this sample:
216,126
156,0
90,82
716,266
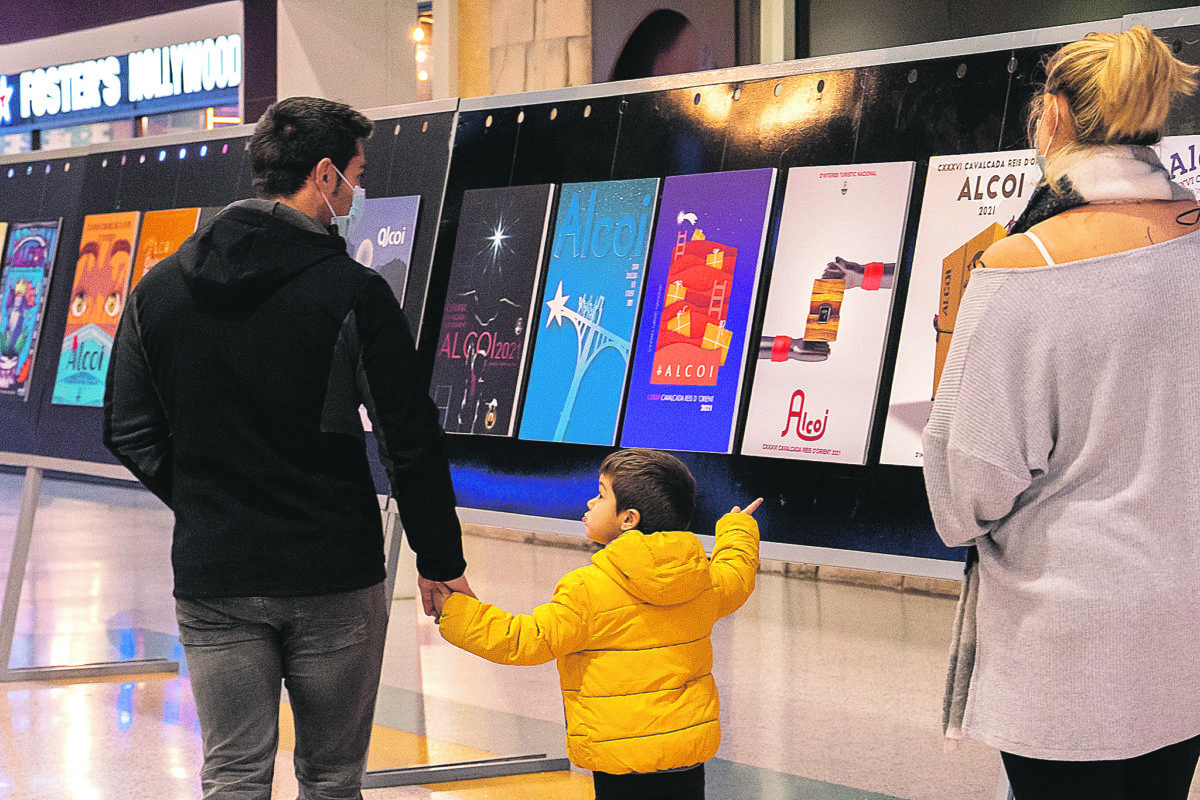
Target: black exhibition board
901,111
142,179
909,104
36,190
173,172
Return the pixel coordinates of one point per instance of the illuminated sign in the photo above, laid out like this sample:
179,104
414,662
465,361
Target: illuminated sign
6,96
193,74
71,87
185,68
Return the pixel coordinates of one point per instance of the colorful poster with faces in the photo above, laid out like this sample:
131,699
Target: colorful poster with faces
97,298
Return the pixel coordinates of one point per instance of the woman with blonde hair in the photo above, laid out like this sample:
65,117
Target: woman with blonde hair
1064,445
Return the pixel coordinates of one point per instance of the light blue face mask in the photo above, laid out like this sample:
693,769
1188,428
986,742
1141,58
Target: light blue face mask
346,222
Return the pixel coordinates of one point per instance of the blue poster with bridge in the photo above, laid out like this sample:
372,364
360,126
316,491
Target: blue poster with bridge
589,310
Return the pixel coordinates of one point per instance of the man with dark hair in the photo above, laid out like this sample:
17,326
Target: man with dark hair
233,394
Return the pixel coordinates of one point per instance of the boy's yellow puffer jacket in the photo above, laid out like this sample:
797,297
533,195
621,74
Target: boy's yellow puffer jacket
631,635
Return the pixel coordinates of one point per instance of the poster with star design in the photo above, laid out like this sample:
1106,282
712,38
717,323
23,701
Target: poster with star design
483,342
589,309
701,287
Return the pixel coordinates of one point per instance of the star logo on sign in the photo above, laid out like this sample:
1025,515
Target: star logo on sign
6,95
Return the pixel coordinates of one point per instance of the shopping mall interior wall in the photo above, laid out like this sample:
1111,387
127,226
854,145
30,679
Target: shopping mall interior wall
851,26
360,52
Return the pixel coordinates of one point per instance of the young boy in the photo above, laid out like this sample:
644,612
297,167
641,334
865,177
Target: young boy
631,631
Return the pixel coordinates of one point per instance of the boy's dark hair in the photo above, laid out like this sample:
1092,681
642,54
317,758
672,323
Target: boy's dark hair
655,483
293,135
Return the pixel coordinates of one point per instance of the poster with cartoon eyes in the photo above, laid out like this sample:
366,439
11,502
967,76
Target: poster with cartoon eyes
28,261
97,298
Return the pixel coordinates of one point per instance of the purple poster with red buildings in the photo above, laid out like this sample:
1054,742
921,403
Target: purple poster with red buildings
700,291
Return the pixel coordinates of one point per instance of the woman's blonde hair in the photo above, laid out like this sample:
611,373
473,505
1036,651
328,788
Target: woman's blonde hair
1118,87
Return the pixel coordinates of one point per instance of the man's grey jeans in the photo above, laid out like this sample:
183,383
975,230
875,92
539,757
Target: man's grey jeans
326,649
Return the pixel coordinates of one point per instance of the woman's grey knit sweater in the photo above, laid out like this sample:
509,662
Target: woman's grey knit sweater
1065,444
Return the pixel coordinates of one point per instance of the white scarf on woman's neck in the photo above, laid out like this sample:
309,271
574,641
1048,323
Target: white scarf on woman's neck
1100,174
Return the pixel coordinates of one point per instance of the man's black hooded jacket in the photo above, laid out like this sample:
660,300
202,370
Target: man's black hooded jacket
233,394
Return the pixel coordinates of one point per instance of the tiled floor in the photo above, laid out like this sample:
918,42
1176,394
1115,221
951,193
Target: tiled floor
828,690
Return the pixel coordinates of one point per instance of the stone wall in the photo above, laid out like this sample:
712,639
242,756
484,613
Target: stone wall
536,44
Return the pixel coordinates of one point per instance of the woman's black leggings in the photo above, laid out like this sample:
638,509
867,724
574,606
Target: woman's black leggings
1164,774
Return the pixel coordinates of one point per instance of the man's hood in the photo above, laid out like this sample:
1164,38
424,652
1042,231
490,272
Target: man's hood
663,569
245,254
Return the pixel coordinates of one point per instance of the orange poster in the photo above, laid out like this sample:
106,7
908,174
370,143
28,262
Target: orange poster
162,233
97,298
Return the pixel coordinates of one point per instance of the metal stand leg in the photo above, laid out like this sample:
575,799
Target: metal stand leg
464,771
392,538
12,598
460,770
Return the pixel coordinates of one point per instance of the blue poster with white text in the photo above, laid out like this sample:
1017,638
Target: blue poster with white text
589,310
383,238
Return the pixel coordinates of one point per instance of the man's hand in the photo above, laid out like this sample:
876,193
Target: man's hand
750,509
428,588
440,593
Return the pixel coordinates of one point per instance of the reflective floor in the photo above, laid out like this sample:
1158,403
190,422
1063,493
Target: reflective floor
827,690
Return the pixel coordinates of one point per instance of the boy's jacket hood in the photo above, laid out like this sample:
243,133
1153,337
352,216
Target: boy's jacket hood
663,569
245,254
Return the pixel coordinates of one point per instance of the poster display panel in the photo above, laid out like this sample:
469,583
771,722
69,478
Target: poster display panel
589,308
970,202
28,263
483,342
1181,156
701,284
162,233
829,305
383,238
97,297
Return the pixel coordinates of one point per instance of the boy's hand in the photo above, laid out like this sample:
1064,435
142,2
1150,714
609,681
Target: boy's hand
440,593
426,588
750,509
